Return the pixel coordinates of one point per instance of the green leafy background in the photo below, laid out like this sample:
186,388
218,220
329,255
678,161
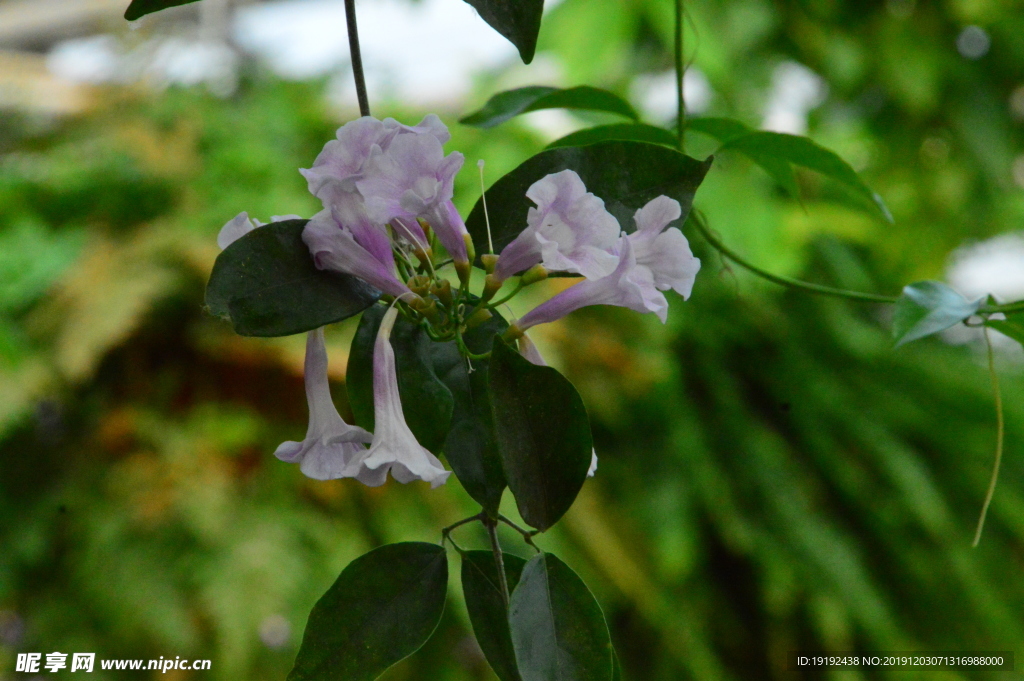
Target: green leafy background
773,474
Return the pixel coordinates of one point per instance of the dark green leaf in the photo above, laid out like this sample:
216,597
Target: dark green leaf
722,129
1008,327
470,447
267,284
625,174
774,151
426,401
558,630
637,132
543,435
510,103
381,609
928,307
616,667
517,20
487,610
140,8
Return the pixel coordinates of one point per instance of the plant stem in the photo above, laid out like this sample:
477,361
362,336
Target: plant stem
527,534
1005,308
357,57
1000,428
680,70
717,244
499,560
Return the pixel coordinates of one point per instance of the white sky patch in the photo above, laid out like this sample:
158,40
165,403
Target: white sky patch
656,94
423,53
795,91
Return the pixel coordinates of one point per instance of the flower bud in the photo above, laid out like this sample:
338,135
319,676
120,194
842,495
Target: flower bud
478,318
489,261
420,285
443,290
534,274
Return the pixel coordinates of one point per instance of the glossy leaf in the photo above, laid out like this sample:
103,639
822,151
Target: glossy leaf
1011,328
625,174
140,8
486,608
470,446
774,151
426,401
558,630
929,307
382,608
517,20
267,285
505,105
543,435
637,132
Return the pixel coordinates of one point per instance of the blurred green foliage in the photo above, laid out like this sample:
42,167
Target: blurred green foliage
773,476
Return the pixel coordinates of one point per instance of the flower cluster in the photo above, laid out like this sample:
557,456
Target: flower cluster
386,190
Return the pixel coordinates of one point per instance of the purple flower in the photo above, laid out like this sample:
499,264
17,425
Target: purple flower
330,443
240,225
394,447
360,250
665,252
412,178
568,231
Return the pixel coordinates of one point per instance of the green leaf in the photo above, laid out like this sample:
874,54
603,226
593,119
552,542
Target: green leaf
382,608
625,174
558,630
505,105
1008,327
426,401
722,129
774,151
470,446
543,435
486,607
140,8
616,667
517,20
267,284
637,132
929,307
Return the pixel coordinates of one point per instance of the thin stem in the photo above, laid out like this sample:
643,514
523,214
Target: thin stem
680,70
1005,308
519,287
499,560
528,535
999,439
357,57
786,281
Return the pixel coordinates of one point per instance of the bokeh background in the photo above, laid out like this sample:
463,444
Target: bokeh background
773,474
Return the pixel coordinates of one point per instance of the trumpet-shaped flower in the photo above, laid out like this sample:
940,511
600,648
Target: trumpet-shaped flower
394,447
330,444
337,248
410,179
240,225
665,252
568,231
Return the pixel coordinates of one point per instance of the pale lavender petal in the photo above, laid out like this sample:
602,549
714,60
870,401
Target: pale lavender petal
430,124
342,159
330,443
335,248
233,229
282,218
627,286
569,231
411,231
394,447
450,230
665,252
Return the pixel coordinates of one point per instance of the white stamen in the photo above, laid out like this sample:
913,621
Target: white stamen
483,197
